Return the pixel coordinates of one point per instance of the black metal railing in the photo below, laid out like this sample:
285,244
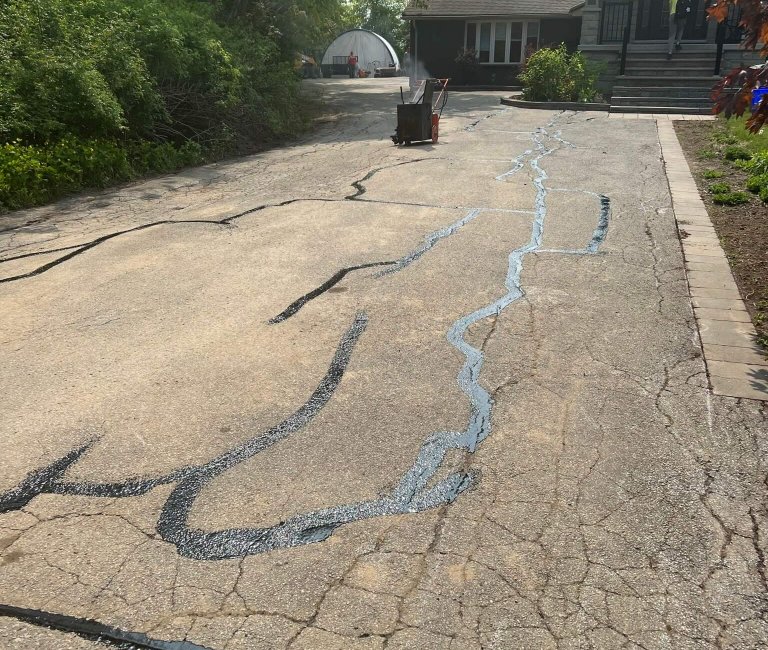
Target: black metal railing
614,18
728,31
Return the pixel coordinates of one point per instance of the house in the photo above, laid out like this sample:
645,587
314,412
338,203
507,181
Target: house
628,39
499,32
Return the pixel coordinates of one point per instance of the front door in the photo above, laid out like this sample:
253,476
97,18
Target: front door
653,21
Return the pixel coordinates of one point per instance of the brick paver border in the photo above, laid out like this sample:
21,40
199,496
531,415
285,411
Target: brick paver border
736,365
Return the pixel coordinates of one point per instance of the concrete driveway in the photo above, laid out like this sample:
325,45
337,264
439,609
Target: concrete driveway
348,395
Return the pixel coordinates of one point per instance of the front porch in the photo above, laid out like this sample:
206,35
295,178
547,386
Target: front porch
629,41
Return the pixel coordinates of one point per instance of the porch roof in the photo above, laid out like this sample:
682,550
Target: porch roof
489,8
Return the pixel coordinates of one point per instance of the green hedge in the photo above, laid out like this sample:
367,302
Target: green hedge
35,174
94,92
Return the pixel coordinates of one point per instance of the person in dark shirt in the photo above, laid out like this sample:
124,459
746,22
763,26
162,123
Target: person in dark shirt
679,10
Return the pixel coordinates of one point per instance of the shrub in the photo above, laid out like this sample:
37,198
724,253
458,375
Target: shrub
555,75
736,152
719,188
764,194
757,183
731,198
35,174
157,69
712,173
757,164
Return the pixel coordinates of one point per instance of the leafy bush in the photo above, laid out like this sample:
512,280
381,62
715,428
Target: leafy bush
554,74
757,164
163,69
757,183
736,152
34,174
713,173
98,91
731,198
719,188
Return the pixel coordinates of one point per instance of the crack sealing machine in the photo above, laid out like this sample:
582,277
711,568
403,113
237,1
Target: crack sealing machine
418,119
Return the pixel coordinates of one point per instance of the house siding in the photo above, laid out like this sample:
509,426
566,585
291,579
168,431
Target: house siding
440,41
560,30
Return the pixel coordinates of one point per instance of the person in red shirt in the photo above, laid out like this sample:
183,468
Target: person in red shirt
352,65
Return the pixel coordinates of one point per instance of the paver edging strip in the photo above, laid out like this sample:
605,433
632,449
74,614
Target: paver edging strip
743,380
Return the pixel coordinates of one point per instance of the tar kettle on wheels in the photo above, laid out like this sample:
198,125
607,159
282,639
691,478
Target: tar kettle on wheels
418,119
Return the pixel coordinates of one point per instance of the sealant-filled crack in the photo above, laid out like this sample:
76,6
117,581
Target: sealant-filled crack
337,277
48,480
93,630
413,492
79,249
74,251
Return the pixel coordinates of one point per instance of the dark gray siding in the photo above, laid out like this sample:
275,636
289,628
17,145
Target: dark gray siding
440,41
560,30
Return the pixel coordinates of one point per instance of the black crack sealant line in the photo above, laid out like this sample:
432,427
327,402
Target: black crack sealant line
49,479
78,249
93,630
416,491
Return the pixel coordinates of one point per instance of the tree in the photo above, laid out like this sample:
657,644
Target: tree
733,94
382,17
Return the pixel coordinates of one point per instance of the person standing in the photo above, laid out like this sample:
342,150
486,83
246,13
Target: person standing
679,10
352,65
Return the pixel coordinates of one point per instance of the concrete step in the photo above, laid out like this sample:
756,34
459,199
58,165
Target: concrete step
703,81
692,102
669,71
661,61
659,49
661,91
661,110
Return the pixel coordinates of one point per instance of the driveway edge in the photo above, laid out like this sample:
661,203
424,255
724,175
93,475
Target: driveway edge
736,365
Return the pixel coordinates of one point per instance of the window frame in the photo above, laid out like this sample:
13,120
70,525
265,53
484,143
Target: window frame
508,44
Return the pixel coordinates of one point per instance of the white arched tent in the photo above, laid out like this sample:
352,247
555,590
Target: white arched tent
371,49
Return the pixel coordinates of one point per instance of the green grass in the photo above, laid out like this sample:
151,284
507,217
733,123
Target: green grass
734,132
712,173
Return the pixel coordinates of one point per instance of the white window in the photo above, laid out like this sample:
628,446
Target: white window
501,42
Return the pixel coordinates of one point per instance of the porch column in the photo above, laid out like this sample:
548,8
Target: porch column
590,23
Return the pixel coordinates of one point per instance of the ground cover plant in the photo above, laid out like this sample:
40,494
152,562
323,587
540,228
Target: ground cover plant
730,165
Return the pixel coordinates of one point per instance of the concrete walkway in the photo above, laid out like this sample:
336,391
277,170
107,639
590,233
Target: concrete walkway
347,395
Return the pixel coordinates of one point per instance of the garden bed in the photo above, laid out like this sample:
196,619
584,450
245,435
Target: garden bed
743,227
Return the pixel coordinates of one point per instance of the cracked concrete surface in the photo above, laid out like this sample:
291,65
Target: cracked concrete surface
617,503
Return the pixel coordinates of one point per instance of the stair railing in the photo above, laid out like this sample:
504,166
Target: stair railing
625,40
721,28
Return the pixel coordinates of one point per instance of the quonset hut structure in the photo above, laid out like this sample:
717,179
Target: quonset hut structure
372,51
